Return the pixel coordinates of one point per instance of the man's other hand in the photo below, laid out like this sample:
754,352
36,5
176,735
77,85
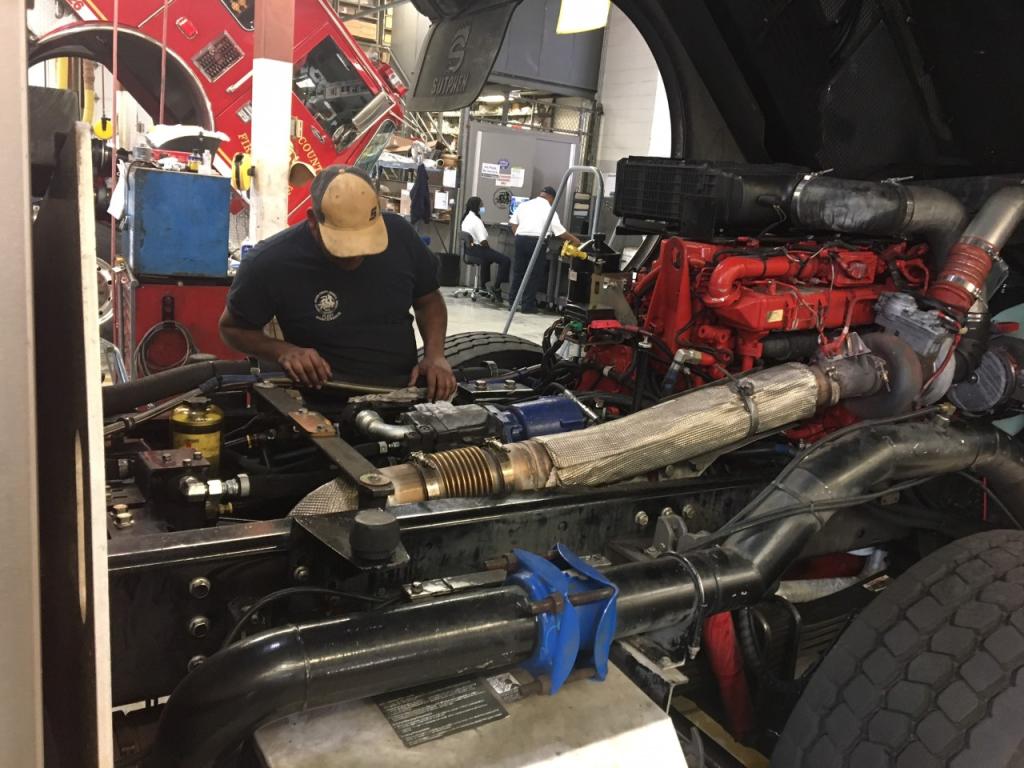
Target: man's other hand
439,376
305,366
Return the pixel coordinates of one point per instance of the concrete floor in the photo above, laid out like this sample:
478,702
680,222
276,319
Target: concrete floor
465,315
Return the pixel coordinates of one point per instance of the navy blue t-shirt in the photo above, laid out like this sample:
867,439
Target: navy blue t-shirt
358,320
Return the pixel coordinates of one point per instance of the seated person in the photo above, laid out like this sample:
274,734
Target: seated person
481,251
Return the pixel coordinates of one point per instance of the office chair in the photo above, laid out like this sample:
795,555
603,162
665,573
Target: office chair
477,290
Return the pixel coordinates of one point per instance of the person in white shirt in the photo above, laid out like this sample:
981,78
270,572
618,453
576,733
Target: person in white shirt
527,223
480,251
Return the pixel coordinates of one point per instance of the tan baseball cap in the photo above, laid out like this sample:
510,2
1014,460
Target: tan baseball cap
346,207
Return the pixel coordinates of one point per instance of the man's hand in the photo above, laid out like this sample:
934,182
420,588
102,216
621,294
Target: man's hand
439,376
305,366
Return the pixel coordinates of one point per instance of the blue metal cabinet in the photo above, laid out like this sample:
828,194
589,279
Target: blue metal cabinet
177,223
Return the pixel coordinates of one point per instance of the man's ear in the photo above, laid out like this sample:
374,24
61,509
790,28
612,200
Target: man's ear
314,225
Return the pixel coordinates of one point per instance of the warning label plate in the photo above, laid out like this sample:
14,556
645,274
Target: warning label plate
431,712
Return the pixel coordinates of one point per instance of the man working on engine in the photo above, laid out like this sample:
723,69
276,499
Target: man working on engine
341,285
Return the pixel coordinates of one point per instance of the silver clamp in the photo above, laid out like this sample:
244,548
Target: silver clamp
745,390
967,285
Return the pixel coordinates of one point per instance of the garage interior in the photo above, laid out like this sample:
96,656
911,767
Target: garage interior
513,383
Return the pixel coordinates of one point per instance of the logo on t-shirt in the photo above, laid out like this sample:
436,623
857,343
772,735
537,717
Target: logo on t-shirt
326,303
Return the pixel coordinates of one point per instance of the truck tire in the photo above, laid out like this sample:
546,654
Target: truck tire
473,348
931,673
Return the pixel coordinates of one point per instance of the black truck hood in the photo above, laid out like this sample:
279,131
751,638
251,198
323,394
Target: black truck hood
870,88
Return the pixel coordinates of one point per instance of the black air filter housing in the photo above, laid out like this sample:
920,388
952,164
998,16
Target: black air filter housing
702,200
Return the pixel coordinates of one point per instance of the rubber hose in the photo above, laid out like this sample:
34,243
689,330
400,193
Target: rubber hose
125,398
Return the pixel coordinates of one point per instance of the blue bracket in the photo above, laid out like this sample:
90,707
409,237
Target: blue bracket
574,633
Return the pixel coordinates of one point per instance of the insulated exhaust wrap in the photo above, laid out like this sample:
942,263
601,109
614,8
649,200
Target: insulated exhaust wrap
690,425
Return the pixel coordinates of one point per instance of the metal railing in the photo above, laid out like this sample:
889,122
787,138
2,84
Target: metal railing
542,238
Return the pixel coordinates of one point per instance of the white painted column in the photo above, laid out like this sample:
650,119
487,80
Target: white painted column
21,708
271,116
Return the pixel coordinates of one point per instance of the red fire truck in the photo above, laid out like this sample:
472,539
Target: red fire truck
349,105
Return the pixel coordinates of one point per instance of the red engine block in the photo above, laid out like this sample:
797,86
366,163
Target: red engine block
730,297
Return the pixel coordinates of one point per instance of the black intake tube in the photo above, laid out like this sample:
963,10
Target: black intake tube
125,398
294,668
877,209
853,465
751,198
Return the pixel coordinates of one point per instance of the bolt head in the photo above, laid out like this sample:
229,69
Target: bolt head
373,478
689,511
195,661
165,458
199,587
197,455
642,519
667,512
301,574
186,462
199,626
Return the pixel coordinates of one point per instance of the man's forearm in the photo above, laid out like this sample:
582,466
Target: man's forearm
253,342
432,320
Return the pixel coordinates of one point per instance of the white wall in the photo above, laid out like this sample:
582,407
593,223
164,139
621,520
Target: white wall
632,94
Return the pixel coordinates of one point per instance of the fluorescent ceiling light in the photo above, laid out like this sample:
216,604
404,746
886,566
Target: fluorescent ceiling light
582,16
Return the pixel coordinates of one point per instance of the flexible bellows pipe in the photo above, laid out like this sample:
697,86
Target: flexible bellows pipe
687,426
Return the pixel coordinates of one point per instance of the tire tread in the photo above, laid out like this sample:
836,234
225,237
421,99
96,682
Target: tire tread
935,657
